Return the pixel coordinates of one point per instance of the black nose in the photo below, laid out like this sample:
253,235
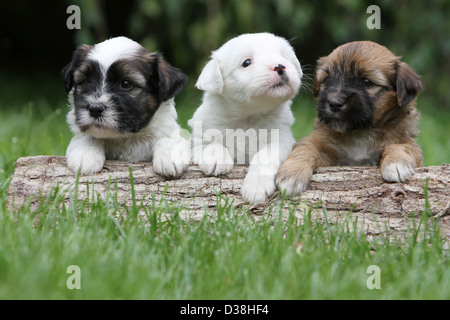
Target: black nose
280,69
96,110
335,105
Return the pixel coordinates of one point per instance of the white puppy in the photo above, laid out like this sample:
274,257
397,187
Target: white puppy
122,108
245,116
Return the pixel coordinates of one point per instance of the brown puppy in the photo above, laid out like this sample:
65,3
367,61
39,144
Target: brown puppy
365,117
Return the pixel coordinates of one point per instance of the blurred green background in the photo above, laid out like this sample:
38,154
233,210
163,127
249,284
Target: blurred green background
34,39
35,44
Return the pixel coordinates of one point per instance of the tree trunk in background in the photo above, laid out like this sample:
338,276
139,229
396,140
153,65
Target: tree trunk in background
375,207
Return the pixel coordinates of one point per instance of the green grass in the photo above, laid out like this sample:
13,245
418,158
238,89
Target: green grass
228,255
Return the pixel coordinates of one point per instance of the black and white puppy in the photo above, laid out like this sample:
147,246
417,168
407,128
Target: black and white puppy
122,108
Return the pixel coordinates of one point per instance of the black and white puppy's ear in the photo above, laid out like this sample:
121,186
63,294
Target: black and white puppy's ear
77,58
170,79
409,84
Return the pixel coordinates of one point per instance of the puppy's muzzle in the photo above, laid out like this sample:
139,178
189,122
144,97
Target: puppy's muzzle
96,110
337,99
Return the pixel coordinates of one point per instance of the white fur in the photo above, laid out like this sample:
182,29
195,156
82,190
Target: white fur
292,186
359,149
109,51
397,171
245,118
160,141
85,153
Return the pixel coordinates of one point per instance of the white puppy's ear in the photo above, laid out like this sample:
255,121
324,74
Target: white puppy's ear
211,80
299,67
293,58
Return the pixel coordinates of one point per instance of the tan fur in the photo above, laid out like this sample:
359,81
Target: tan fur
388,142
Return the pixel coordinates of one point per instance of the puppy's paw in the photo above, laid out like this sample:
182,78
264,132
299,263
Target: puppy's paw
397,171
215,160
293,180
87,161
257,187
171,159
291,186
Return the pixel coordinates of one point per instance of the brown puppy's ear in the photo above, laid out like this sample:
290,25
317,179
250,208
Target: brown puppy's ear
316,88
77,58
409,84
320,76
170,79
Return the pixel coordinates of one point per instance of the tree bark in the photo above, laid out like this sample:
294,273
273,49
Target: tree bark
356,193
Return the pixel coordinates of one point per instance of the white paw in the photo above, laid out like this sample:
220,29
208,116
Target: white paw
256,191
87,161
215,160
396,171
291,186
171,159
258,185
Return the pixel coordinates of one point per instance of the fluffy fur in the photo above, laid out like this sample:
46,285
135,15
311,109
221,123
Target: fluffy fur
245,116
366,117
122,108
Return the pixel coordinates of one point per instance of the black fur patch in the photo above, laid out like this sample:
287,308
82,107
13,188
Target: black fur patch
135,106
77,59
357,104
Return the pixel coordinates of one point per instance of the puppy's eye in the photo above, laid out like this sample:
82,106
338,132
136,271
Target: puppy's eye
126,85
246,63
367,83
80,81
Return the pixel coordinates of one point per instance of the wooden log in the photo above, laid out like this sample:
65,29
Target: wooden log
358,193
